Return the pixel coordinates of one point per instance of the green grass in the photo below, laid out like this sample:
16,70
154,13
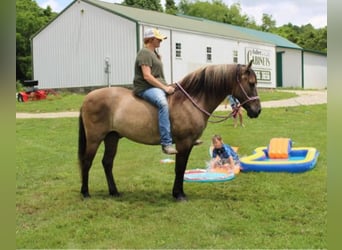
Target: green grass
72,102
53,103
255,210
274,94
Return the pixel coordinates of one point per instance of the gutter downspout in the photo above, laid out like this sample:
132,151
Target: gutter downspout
171,56
302,69
137,35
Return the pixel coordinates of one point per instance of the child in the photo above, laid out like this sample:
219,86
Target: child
237,111
224,157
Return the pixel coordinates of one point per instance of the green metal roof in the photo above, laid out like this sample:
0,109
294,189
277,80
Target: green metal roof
275,39
270,37
161,19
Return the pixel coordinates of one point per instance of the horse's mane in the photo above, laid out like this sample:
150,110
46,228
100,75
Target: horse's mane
210,80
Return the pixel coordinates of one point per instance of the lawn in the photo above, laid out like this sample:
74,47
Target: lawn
66,101
254,210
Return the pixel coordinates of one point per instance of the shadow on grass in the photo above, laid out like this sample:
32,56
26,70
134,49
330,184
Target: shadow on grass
159,197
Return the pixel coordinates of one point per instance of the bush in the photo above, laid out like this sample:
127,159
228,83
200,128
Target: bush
19,86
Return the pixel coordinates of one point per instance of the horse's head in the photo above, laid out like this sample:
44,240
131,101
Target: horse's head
246,90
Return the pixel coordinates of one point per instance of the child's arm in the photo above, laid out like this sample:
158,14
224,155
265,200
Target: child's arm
231,161
217,160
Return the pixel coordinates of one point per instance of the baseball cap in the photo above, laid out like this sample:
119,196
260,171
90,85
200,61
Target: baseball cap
149,33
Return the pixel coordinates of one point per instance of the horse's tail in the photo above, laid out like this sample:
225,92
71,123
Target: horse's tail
82,140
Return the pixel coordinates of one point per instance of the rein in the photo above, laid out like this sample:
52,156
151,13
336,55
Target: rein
234,111
223,118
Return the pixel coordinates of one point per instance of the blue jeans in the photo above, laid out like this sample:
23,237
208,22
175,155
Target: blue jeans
157,97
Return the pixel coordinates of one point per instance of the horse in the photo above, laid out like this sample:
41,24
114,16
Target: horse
108,114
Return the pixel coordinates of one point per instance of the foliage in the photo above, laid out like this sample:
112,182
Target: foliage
170,7
19,86
253,211
268,24
215,10
305,36
29,19
145,4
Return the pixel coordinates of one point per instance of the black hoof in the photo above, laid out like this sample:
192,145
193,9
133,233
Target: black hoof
86,195
180,198
117,194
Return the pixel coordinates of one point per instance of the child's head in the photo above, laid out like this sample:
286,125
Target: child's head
217,141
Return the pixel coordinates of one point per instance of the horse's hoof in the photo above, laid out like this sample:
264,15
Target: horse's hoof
86,195
181,198
117,194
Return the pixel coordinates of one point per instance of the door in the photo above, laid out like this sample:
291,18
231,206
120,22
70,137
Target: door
280,69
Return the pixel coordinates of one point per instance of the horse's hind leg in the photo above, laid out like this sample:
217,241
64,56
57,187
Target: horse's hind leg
85,164
111,141
86,153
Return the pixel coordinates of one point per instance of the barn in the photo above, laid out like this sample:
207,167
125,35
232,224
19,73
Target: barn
93,44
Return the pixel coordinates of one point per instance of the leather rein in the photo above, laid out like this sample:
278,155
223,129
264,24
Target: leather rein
234,111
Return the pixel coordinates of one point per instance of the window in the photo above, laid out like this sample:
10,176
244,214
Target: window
178,50
209,54
235,56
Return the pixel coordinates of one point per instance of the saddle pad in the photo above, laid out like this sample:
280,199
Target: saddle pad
202,175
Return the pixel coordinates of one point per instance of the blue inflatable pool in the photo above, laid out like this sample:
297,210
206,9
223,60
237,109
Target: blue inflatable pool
299,159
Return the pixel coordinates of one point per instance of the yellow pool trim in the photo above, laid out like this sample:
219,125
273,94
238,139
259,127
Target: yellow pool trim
259,153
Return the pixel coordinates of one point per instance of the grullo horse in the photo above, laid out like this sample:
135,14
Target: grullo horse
108,114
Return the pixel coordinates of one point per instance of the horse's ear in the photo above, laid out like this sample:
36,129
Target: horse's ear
249,64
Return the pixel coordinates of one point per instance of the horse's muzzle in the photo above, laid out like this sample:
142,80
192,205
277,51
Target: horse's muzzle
253,112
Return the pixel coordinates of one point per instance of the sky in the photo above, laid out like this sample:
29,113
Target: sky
297,12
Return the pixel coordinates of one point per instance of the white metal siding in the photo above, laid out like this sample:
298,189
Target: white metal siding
194,53
292,68
315,71
71,51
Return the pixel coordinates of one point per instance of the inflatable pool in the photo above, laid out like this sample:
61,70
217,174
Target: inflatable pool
279,156
205,175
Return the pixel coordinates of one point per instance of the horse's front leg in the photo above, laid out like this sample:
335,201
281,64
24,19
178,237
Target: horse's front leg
181,162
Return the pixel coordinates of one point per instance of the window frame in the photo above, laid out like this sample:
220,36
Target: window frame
178,50
209,53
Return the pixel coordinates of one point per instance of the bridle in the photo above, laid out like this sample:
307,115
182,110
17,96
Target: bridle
243,90
234,111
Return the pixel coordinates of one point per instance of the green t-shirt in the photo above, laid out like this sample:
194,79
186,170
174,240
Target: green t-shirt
147,57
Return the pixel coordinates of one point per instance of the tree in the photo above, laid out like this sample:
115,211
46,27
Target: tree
216,10
170,7
145,4
305,36
267,23
29,19
235,17
322,43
